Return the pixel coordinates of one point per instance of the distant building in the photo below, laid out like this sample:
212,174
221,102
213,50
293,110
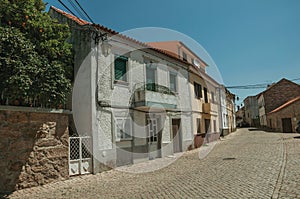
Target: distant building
274,96
285,117
230,106
251,111
240,117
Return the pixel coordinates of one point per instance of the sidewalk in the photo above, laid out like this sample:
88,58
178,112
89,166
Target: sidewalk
159,163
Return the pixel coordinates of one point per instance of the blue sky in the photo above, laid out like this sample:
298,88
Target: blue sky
251,41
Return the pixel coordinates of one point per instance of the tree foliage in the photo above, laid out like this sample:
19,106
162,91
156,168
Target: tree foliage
35,59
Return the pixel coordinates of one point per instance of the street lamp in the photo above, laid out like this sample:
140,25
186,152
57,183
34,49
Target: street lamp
105,46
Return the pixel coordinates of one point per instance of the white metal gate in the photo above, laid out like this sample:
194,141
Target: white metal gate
80,155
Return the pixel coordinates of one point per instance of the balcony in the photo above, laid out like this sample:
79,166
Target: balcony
154,96
206,108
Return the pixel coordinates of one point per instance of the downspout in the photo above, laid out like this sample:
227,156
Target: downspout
191,107
220,111
94,92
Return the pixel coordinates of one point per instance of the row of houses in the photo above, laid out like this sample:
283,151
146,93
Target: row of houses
277,108
135,101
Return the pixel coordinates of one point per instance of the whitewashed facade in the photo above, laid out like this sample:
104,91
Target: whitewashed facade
133,102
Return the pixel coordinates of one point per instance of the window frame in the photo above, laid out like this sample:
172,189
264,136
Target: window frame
184,56
215,125
197,90
121,81
198,125
151,65
212,93
175,81
122,136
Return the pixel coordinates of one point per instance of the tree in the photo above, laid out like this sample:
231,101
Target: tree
35,58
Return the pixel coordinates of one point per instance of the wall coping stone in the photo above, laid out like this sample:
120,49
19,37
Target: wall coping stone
34,109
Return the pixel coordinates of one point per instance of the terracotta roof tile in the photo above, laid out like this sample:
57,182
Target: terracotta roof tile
113,32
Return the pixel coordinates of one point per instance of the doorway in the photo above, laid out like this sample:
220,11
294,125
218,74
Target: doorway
205,95
207,125
176,135
154,137
287,125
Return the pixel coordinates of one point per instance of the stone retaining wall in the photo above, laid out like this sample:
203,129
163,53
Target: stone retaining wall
33,148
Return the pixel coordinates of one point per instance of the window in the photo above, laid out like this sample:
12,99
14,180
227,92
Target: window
173,82
197,90
212,97
205,95
198,122
184,56
152,129
151,76
123,129
121,68
215,126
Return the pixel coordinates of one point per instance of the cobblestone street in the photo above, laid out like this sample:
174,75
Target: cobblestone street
245,164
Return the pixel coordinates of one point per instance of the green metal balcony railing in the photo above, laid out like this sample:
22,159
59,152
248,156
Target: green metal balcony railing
155,88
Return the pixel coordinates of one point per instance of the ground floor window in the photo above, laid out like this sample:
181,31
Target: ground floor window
123,128
198,123
215,125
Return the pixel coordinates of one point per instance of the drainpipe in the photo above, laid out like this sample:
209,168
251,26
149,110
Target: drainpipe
94,94
191,106
220,111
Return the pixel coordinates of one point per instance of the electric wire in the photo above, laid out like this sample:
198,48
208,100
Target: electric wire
84,11
77,10
65,6
255,86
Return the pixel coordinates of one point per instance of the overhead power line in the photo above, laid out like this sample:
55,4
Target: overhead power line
251,86
79,10
64,5
84,11
297,79
255,86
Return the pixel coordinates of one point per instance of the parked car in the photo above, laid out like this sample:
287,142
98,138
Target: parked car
298,127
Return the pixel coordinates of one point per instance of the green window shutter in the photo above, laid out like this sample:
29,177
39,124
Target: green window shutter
173,86
120,69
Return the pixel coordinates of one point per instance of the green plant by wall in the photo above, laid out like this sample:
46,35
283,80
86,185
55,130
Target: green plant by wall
36,62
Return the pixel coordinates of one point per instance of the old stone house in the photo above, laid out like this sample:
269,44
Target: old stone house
274,96
285,117
133,102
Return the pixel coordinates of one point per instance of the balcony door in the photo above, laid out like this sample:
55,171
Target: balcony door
151,76
205,95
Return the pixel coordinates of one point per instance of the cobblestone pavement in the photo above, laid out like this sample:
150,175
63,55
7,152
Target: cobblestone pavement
246,164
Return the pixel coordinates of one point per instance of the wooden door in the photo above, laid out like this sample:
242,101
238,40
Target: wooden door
287,125
176,135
